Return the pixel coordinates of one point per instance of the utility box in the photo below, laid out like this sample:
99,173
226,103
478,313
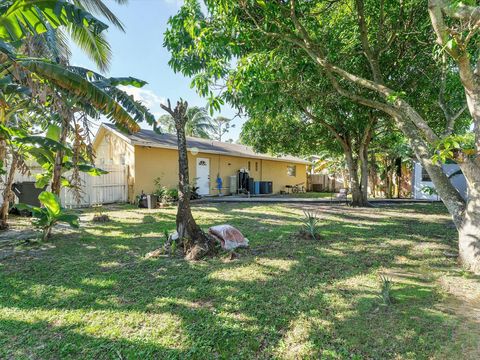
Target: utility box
152,201
257,187
266,187
27,193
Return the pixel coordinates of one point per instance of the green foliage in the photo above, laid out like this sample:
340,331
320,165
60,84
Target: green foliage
320,297
159,189
19,18
165,195
429,190
386,285
51,213
455,147
311,224
199,123
171,195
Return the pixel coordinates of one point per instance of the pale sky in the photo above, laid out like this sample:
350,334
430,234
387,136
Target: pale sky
139,53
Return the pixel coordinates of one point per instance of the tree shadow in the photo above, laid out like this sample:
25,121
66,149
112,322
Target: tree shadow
245,308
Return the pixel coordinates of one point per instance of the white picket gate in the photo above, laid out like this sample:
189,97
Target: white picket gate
104,189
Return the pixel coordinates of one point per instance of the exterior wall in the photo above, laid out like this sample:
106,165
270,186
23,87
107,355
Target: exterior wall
458,181
151,163
276,171
111,149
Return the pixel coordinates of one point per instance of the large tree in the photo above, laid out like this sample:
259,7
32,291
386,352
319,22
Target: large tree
396,42
308,110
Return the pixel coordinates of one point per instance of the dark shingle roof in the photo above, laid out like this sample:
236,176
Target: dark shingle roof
164,140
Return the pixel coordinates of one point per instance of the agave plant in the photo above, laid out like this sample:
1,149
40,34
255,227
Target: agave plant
386,285
311,224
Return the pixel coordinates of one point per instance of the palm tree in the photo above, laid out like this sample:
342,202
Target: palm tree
58,19
199,123
32,29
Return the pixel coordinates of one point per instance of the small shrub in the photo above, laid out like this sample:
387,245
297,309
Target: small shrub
386,285
171,195
159,189
310,224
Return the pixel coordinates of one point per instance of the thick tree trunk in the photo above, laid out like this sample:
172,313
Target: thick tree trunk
355,187
469,236
364,175
469,229
7,195
196,243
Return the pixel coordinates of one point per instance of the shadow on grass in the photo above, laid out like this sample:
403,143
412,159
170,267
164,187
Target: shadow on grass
293,297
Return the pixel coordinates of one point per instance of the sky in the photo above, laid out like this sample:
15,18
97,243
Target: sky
139,52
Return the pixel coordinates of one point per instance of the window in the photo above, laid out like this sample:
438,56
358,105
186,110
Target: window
425,176
256,165
249,166
292,170
202,163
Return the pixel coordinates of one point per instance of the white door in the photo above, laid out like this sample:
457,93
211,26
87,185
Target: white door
203,176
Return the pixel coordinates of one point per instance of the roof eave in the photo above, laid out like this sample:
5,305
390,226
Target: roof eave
155,145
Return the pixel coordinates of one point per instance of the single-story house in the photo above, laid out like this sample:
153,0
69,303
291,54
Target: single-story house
148,155
423,187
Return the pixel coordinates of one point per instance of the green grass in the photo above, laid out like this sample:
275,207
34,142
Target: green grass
311,195
93,295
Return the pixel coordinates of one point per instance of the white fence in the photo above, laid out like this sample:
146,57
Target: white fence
103,189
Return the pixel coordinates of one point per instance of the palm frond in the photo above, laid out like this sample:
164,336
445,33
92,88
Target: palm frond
94,45
33,17
98,7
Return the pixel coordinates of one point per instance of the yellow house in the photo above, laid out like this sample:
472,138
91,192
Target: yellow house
148,155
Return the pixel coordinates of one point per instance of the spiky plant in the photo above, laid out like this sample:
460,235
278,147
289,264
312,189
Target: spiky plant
386,285
310,223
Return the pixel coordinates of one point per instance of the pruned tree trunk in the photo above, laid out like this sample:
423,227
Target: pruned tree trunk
7,195
196,243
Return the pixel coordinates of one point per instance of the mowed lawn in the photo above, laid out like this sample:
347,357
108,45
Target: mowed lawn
92,294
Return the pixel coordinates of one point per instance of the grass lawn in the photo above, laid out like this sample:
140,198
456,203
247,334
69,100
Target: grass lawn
310,195
92,294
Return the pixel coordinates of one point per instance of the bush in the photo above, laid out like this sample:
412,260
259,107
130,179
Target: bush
159,190
171,195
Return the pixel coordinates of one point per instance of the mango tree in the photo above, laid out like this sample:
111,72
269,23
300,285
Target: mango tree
405,74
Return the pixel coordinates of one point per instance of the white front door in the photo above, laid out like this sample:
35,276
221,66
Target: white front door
203,176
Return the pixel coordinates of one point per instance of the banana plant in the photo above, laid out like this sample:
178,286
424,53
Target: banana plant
51,213
42,149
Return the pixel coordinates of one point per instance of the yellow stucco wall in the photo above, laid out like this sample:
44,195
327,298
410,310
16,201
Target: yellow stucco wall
145,164
151,163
